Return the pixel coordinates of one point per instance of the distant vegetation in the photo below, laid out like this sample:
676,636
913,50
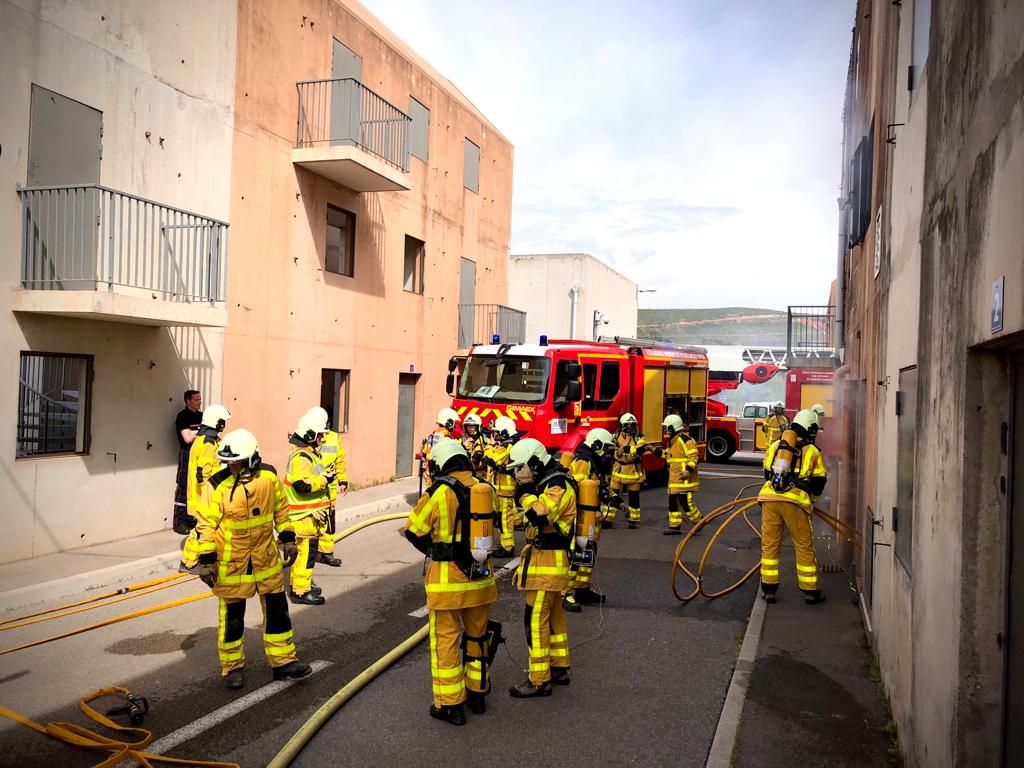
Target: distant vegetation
725,325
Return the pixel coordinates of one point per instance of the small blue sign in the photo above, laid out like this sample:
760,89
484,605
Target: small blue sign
997,304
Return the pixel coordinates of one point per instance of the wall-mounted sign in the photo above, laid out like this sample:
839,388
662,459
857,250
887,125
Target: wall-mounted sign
997,304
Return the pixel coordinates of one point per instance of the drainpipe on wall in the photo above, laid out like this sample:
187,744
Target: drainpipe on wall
574,293
841,286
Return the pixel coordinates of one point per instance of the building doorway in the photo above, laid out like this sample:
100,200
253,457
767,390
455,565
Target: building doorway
405,444
1013,742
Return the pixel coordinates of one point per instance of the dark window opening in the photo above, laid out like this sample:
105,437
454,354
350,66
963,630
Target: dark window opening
415,256
589,387
610,384
334,397
341,242
54,399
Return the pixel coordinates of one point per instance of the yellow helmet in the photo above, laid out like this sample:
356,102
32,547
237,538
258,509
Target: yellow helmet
215,417
528,451
598,438
505,427
445,450
447,417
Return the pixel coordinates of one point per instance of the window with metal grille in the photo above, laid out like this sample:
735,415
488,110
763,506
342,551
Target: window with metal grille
341,242
334,397
415,252
53,404
859,201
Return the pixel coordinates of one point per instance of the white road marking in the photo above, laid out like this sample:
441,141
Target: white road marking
419,613
203,724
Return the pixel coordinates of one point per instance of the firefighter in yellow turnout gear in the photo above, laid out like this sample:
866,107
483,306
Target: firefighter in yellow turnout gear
475,443
332,453
202,465
307,486
447,418
795,474
775,424
628,470
587,462
548,499
503,436
239,558
452,523
682,457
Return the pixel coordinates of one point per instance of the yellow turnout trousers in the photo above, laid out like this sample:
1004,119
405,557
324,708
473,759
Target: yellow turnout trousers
546,634
450,677
307,533
277,632
775,516
509,518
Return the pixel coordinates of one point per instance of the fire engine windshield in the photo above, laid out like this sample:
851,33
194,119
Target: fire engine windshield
510,379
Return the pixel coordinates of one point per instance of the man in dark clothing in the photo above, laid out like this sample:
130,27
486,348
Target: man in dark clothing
186,426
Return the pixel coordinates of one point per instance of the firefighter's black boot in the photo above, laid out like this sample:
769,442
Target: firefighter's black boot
235,679
477,702
453,714
293,670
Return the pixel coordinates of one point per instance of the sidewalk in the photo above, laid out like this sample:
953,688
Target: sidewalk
811,699
27,583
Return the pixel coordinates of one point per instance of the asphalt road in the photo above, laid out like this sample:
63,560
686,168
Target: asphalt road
649,674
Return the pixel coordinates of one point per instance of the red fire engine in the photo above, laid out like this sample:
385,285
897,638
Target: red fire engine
557,390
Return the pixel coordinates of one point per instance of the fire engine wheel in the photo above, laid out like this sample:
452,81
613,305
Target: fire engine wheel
720,447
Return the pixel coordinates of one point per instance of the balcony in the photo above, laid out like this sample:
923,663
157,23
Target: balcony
479,322
93,252
349,134
810,336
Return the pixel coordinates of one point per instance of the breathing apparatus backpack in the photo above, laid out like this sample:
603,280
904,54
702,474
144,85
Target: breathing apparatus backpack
473,532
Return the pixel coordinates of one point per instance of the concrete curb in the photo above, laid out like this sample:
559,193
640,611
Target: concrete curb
23,598
720,755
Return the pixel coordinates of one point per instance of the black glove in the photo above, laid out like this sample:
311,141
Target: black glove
289,552
641,450
330,477
208,574
535,519
658,452
522,490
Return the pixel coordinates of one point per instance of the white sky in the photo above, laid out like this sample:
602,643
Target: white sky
694,145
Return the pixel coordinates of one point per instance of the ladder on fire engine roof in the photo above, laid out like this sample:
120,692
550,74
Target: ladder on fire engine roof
750,355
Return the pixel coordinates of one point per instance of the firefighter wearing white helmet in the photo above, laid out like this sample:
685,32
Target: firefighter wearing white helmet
503,436
307,487
628,470
474,442
448,523
239,557
447,418
775,424
332,453
795,475
202,464
682,457
589,462
548,497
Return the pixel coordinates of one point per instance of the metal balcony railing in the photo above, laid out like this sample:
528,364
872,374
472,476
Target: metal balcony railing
479,322
86,237
346,112
810,330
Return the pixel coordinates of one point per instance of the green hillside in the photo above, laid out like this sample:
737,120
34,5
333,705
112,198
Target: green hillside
723,325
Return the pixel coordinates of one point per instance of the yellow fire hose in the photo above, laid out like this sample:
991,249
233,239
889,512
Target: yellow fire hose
132,745
124,590
93,606
302,737
730,508
120,750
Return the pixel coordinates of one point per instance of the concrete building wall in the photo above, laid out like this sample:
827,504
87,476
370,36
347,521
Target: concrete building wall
954,199
540,284
289,318
162,74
